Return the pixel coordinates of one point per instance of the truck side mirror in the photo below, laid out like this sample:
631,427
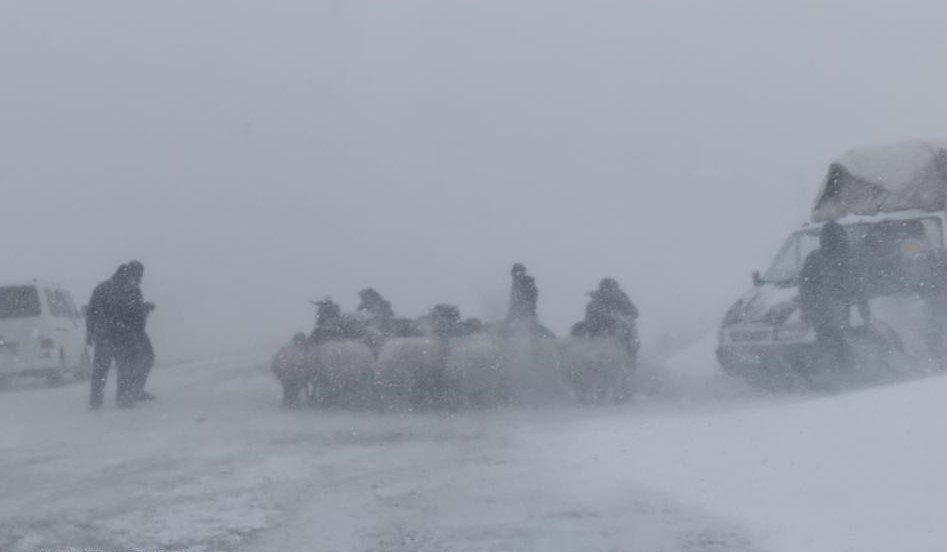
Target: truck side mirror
757,279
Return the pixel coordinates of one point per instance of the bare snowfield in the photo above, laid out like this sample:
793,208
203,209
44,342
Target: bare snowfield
216,464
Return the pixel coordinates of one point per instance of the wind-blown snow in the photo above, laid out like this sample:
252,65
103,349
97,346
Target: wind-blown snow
216,464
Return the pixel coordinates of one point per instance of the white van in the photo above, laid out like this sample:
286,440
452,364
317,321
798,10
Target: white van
41,333
892,202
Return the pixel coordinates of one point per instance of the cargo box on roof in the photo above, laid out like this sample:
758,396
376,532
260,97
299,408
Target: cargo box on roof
884,179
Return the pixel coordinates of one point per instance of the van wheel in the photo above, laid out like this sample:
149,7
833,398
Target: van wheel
84,370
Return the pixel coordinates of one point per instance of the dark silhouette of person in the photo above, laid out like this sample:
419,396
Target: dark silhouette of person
829,286
606,308
332,325
524,296
610,313
372,303
114,318
380,324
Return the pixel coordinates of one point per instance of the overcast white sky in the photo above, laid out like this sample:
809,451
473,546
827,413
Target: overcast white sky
257,154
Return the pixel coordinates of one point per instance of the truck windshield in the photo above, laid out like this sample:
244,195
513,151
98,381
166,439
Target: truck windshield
19,302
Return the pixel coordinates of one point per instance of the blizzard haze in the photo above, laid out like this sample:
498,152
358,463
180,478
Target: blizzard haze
255,155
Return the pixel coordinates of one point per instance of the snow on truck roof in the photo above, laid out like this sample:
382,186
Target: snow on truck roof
883,179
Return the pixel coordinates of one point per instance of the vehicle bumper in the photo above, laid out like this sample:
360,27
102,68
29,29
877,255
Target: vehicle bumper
772,358
39,367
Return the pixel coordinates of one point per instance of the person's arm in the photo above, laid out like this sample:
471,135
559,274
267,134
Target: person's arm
633,310
92,317
627,307
137,304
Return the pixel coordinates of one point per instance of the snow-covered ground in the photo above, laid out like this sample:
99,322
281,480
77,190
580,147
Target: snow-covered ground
699,463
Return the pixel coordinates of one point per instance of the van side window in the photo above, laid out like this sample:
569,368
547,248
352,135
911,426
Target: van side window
896,254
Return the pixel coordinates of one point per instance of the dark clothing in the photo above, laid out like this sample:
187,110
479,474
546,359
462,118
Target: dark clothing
375,305
125,367
101,306
608,310
610,313
131,312
829,286
828,289
116,308
524,295
115,322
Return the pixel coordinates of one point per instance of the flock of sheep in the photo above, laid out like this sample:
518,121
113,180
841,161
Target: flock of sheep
485,369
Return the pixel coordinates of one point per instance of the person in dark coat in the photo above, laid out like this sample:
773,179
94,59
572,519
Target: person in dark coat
611,313
110,318
332,324
380,318
829,286
374,305
524,296
144,352
607,306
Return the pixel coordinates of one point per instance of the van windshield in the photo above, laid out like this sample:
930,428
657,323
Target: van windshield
19,302
787,265
893,255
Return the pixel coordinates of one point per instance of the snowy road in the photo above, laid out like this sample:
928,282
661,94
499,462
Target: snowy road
215,464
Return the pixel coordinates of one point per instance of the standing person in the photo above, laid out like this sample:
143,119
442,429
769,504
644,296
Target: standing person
524,296
828,288
143,356
103,332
